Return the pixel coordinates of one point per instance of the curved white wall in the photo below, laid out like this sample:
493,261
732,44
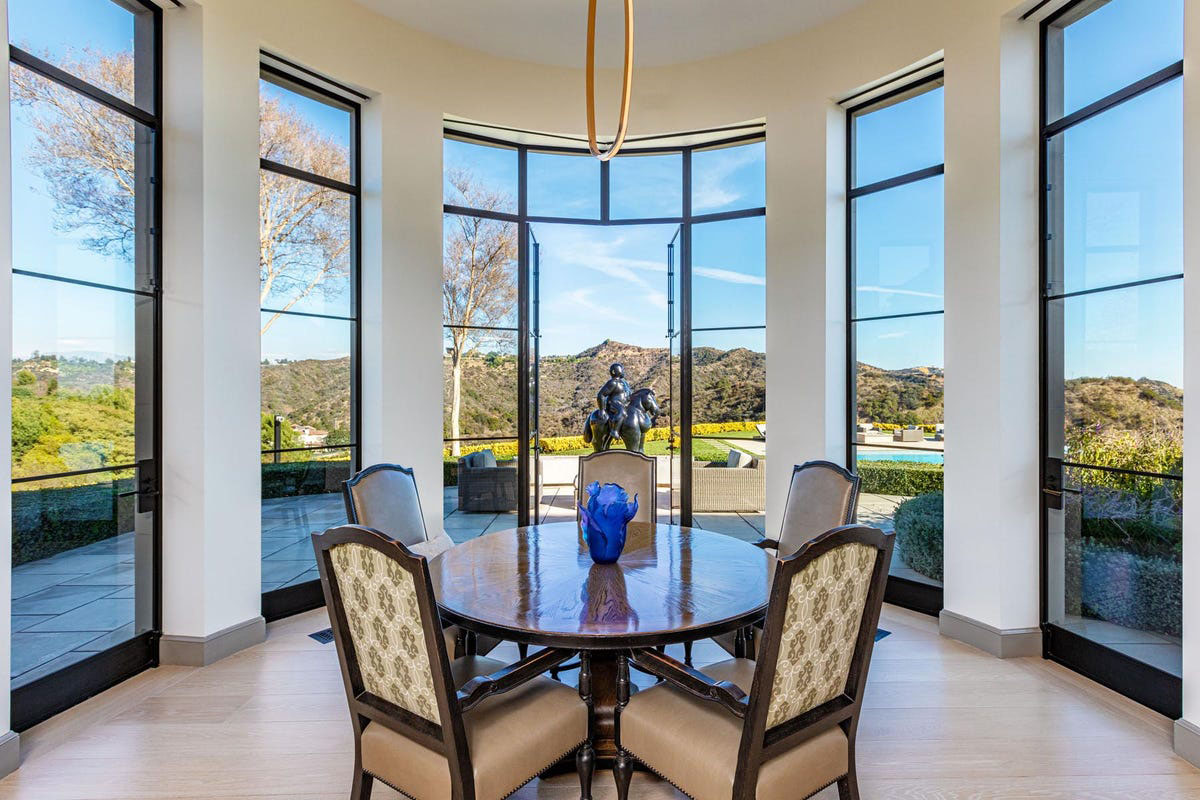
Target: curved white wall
991,256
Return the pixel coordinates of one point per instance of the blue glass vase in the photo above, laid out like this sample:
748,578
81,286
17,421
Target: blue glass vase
605,519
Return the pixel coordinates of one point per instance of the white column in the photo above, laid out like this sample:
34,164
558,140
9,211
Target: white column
1187,729
9,742
991,336
211,476
806,277
402,293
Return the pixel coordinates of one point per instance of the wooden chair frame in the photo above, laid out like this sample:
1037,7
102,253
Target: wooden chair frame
851,507
760,743
653,500
449,738
357,478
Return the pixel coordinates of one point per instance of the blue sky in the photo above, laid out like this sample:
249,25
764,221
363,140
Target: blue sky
610,282
1122,211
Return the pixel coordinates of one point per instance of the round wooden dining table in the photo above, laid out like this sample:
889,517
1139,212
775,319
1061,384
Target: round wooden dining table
538,585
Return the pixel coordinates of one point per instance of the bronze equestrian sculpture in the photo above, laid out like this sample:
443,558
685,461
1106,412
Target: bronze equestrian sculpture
620,414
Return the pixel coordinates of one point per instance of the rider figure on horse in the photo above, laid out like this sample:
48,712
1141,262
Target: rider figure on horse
613,399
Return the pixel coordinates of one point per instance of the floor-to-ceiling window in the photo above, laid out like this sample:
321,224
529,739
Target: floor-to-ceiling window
308,267
85,106
896,308
557,266
1112,289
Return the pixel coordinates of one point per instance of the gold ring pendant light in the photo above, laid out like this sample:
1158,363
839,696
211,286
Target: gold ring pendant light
626,83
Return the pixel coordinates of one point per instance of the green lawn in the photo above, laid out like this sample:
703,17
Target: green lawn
702,450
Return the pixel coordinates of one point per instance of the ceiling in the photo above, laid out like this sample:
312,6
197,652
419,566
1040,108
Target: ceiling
666,31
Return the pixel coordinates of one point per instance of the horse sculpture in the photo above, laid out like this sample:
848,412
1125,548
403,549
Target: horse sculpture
639,417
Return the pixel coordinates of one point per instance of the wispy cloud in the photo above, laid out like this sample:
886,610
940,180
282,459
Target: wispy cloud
729,276
893,335
712,187
905,292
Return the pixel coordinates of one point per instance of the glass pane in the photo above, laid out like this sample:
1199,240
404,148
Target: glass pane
899,249
1122,199
641,187
564,186
485,372
75,173
900,377
901,491
729,383
1122,369
299,129
899,138
305,243
92,39
1118,43
729,178
479,272
306,380
729,273
1114,566
80,579
73,373
301,493
479,176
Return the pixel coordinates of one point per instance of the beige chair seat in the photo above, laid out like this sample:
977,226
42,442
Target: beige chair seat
512,737
694,743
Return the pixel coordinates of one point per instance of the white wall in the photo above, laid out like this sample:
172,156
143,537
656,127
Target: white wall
1191,371
415,80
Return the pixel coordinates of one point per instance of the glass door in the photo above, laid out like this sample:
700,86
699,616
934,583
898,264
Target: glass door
671,406
1112,327
534,350
86,304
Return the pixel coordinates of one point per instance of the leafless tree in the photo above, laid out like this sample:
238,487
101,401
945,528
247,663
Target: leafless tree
479,281
85,153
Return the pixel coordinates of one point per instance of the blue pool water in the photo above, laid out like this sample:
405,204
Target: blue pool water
922,458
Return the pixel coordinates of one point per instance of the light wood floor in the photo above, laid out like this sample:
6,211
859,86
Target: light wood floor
941,721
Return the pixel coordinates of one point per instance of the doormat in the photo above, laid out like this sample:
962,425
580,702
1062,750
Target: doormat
879,634
326,636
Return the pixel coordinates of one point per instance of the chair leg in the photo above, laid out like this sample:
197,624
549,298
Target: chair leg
361,790
848,787
523,649
622,773
687,653
585,764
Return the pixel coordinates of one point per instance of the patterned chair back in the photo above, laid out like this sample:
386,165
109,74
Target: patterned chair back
384,497
820,628
381,605
636,473
822,496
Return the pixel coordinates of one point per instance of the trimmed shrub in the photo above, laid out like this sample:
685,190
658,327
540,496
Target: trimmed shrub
50,521
290,479
1117,586
920,533
904,478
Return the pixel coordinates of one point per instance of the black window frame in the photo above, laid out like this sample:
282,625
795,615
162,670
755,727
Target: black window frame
289,600
905,592
42,698
681,249
1138,680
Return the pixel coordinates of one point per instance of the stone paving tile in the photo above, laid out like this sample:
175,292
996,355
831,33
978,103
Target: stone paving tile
58,599
30,650
99,616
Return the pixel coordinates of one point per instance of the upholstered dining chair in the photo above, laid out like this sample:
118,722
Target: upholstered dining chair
384,497
784,726
430,727
821,496
636,473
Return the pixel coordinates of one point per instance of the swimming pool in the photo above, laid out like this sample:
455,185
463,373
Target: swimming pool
919,458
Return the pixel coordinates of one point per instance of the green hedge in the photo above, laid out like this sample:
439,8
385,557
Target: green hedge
1112,584
290,479
904,478
49,521
919,533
